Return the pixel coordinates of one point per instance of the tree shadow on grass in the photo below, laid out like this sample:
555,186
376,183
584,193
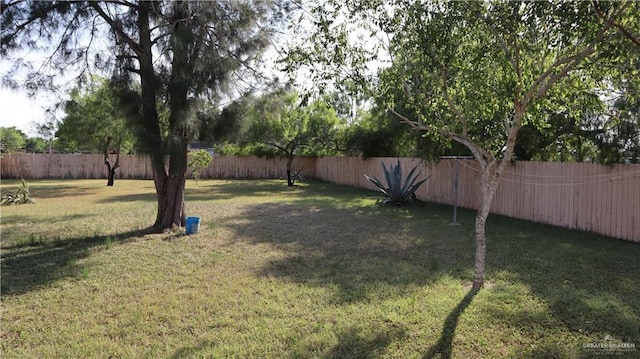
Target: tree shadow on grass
359,256
583,282
138,197
360,253
589,284
39,190
29,267
444,347
203,192
353,344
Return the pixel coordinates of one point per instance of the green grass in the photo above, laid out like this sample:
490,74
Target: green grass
315,271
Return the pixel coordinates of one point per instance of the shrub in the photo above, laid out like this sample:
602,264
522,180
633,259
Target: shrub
19,196
198,160
394,190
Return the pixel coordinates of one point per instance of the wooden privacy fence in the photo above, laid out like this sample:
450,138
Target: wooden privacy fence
36,166
585,196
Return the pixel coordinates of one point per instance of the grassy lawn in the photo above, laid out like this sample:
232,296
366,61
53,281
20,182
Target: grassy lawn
315,271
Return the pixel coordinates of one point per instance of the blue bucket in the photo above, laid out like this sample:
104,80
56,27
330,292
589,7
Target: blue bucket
193,225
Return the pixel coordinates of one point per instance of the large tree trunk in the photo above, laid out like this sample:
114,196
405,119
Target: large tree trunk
169,184
171,209
168,188
173,202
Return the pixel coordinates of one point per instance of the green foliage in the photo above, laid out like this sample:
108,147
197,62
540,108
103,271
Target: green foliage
11,140
94,114
198,160
279,123
18,196
380,134
35,145
394,190
180,52
226,125
470,71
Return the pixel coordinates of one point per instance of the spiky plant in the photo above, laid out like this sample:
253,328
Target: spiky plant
19,196
395,191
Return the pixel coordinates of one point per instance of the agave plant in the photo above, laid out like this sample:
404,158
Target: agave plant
394,190
19,196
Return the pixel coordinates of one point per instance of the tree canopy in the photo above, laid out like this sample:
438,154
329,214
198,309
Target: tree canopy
179,51
94,120
11,140
279,123
474,72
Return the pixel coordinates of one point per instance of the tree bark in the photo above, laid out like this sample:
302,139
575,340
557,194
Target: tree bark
489,183
171,210
111,171
492,170
290,179
167,188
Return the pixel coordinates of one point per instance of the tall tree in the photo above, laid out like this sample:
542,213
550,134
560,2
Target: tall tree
96,121
179,51
11,140
281,122
476,72
47,130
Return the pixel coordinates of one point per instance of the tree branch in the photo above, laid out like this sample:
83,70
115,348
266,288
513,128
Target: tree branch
568,63
622,29
480,154
117,28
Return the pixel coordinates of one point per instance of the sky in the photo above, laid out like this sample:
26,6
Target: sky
21,111
17,108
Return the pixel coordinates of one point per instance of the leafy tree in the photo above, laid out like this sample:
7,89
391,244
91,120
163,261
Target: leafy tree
475,72
179,50
35,145
380,134
11,140
278,121
621,143
92,115
217,126
96,121
198,160
609,136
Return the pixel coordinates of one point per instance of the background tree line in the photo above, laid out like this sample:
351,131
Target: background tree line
602,130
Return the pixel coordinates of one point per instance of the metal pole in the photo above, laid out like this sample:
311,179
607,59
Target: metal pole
455,195
455,184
